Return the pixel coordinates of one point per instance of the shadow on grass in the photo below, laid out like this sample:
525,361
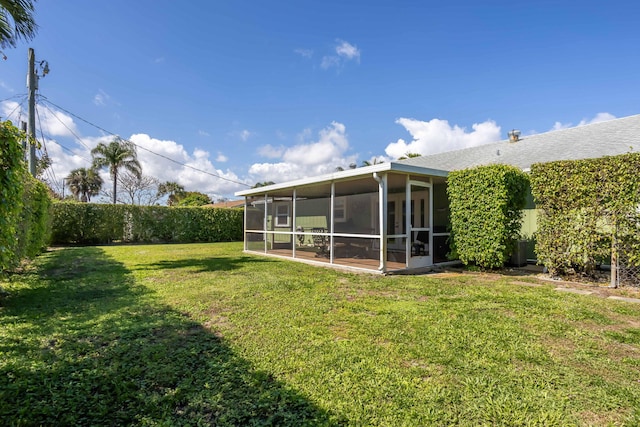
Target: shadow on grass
206,264
84,345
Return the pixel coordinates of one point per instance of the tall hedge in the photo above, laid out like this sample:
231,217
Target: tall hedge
486,205
24,203
585,206
89,223
34,228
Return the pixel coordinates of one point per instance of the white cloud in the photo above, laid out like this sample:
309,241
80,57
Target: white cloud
52,123
306,53
347,50
270,151
57,125
192,180
306,159
6,87
600,117
203,133
436,136
330,61
101,98
344,52
245,134
11,110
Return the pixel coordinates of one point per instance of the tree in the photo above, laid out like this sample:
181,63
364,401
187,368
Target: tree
409,156
16,22
116,155
138,190
194,198
263,184
375,161
84,183
173,189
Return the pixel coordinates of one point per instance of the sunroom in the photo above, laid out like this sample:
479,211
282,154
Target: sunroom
357,219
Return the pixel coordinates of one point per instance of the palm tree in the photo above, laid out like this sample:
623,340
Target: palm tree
118,154
173,189
84,183
375,161
16,22
409,156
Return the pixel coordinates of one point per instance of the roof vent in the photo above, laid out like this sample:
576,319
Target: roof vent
514,135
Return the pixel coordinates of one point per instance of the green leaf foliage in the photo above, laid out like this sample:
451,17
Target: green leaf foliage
87,223
24,203
486,213
583,205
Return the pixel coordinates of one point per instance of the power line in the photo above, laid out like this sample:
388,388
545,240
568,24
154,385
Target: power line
23,95
49,170
141,147
19,104
70,150
68,128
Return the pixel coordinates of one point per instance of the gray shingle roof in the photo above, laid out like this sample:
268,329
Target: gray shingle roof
610,138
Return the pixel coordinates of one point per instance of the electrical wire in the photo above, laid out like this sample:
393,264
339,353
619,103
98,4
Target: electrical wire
24,95
44,146
141,147
68,128
19,104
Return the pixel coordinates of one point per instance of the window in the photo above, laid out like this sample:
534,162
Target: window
282,215
340,209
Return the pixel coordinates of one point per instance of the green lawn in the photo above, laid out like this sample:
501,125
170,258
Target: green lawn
205,335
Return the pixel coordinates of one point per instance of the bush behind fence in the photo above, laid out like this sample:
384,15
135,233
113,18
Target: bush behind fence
89,223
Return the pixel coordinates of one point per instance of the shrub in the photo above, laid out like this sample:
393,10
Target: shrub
585,206
34,229
486,205
87,223
24,203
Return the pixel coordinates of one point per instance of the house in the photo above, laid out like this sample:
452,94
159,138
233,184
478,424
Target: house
229,204
394,216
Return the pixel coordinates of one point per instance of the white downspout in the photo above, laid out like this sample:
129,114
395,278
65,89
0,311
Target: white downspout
382,214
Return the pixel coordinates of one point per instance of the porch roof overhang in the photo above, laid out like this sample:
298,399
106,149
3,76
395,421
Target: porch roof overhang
346,175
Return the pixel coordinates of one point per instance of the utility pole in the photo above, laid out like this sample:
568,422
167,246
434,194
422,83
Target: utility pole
32,85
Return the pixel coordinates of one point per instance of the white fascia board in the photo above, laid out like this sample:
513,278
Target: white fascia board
343,175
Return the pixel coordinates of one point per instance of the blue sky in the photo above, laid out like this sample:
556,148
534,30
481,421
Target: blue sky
271,91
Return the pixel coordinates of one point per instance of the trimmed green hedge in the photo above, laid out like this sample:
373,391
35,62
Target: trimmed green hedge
24,203
89,223
584,204
486,205
34,229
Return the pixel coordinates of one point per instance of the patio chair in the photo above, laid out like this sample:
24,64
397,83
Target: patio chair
418,245
320,241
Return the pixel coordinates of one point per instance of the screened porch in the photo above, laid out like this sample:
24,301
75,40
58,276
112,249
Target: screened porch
354,219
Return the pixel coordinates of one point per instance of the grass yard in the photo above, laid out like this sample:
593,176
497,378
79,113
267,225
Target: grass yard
202,334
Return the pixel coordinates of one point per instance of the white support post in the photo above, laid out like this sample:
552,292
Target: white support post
382,219
294,236
264,226
332,219
244,220
407,221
